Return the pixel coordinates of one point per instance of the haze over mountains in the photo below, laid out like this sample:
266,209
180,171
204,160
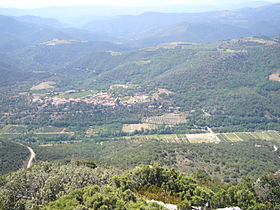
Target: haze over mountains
81,14
23,35
149,28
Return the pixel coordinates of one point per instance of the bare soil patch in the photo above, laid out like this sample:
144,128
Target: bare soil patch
43,86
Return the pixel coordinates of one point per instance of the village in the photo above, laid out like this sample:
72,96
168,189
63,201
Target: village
102,98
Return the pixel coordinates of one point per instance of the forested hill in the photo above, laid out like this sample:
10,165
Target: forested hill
231,79
21,32
14,159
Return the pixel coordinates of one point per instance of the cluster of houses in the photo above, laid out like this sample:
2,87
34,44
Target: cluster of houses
97,99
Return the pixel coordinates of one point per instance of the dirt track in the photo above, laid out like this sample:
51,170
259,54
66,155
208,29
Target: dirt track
32,155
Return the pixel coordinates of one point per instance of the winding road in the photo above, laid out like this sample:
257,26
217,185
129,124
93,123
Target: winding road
32,155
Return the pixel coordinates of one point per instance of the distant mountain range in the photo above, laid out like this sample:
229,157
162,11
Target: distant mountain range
81,14
20,32
154,28
52,22
150,28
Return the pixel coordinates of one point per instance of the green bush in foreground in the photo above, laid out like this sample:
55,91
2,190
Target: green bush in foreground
95,197
82,185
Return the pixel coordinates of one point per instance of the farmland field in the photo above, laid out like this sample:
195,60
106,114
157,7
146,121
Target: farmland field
233,137
203,138
210,138
167,119
168,138
244,136
129,128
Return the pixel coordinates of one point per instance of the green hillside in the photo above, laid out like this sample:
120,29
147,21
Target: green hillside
13,156
224,85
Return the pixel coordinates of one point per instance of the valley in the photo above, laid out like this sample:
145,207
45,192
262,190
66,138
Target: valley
176,108
183,92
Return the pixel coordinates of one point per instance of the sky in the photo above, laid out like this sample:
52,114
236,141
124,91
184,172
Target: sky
45,3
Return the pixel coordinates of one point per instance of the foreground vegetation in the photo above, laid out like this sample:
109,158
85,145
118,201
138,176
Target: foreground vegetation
83,185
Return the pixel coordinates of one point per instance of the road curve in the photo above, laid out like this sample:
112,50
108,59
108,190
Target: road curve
32,155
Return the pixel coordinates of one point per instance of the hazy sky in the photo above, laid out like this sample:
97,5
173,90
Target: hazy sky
44,3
